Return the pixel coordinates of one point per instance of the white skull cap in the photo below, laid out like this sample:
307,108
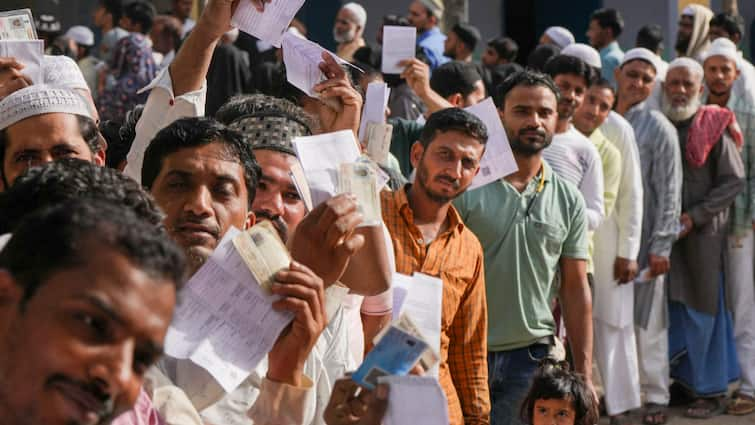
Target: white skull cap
643,54
560,35
588,54
62,71
722,46
39,99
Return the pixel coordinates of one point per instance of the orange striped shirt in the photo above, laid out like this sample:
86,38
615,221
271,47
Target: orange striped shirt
456,257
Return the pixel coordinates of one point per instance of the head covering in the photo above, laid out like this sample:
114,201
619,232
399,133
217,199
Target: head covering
468,35
641,53
359,13
689,63
698,41
47,23
588,54
435,7
272,131
62,71
39,99
82,35
561,36
722,47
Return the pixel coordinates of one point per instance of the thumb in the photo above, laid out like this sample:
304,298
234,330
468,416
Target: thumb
377,407
349,247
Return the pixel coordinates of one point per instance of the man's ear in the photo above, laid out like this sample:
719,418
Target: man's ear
10,290
416,153
455,99
250,220
99,157
616,73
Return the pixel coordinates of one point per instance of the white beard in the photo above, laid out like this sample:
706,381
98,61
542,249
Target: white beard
679,113
344,38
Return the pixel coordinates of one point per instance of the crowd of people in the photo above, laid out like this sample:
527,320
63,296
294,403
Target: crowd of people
612,273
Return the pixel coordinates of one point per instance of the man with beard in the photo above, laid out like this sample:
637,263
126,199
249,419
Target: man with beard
461,42
88,293
700,334
661,171
692,37
722,77
532,225
571,155
348,30
425,15
429,237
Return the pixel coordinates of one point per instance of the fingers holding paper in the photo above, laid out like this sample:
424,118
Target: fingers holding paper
417,75
349,405
341,105
11,76
302,293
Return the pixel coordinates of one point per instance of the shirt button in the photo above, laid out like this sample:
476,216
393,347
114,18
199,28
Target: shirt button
420,241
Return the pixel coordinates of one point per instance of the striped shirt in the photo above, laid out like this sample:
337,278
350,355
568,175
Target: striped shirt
456,257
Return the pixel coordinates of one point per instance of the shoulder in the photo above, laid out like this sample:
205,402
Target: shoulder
565,193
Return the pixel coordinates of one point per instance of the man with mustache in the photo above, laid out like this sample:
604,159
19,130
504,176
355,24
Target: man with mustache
723,76
84,316
429,237
531,225
661,171
700,333
348,30
692,37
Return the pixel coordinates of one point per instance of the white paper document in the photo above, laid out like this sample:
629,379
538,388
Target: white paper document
28,52
17,25
498,160
376,100
421,297
415,400
302,59
399,44
224,322
270,25
321,157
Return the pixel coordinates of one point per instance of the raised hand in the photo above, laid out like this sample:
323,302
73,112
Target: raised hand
340,106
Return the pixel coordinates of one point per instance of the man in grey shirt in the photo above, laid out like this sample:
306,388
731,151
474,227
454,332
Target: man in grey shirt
660,163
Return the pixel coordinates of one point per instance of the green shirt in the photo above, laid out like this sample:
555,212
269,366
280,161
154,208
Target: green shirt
522,251
405,133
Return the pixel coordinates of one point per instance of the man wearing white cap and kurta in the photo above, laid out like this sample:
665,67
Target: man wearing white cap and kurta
348,30
692,37
723,76
613,300
661,169
557,36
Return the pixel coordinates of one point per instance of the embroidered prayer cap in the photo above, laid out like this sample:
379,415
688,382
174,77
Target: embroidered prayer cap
722,46
435,7
62,71
588,54
561,36
688,11
266,122
640,53
40,99
359,13
82,35
685,62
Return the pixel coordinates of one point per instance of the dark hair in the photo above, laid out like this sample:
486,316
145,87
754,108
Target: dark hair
554,381
117,153
114,8
195,132
140,12
602,83
370,55
395,20
732,24
467,34
499,74
454,77
609,18
505,47
171,28
527,78
72,178
567,64
61,46
453,119
542,54
650,37
55,238
87,128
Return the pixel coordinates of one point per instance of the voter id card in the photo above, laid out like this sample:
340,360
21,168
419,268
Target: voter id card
263,253
17,25
360,179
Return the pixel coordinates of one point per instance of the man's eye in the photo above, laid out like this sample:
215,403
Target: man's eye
293,196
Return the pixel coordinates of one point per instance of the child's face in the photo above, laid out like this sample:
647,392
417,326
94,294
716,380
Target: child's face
553,412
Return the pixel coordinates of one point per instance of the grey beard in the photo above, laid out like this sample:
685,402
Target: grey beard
679,113
344,38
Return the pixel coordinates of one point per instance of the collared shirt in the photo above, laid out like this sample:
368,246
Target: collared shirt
661,165
610,57
456,257
432,43
629,201
524,235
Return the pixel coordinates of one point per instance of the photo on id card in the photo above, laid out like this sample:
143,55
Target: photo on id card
395,354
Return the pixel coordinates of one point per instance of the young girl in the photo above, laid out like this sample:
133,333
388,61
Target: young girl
559,397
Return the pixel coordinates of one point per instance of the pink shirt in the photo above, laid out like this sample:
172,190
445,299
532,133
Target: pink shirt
143,413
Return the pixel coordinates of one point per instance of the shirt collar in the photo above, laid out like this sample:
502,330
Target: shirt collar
402,202
610,47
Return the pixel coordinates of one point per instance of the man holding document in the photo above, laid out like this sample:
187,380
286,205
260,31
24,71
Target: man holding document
429,237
